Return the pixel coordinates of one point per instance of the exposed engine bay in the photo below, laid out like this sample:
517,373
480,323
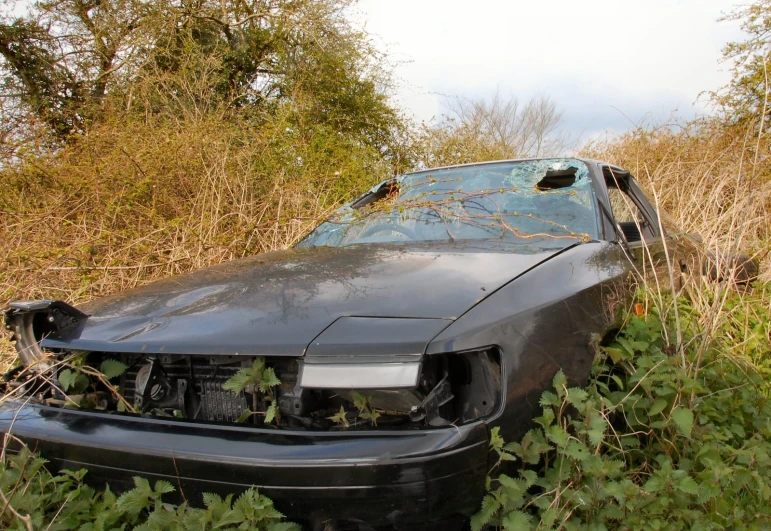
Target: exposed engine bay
452,389
440,390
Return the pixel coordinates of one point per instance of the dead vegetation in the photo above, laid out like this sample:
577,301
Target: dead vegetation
225,152
713,180
136,201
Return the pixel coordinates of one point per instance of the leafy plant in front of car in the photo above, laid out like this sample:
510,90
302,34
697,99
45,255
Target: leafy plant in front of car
340,418
652,442
36,499
366,411
76,377
257,377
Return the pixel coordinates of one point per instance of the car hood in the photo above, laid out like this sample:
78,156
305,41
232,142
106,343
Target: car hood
275,304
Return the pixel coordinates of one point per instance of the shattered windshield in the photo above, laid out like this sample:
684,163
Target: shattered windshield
533,201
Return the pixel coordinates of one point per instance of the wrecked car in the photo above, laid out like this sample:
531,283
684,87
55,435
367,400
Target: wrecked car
355,378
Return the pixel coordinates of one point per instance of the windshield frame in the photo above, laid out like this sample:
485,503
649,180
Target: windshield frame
375,194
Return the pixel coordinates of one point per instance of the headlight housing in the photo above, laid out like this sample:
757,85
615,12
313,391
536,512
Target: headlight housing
31,321
442,389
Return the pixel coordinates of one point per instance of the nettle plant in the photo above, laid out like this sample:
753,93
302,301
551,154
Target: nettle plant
656,440
81,383
257,377
36,499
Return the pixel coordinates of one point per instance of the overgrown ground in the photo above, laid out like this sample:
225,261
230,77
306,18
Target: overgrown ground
664,436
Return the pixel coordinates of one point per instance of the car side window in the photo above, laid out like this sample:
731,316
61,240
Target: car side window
630,217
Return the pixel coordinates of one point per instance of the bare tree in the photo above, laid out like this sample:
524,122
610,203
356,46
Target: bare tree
497,127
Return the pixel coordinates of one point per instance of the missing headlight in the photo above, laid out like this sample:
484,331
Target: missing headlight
472,378
31,321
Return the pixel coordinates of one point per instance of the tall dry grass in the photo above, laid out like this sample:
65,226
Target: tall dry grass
135,201
714,181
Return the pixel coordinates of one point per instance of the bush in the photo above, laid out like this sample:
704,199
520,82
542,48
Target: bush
656,440
37,499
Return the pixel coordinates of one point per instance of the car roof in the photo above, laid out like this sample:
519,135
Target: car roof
481,163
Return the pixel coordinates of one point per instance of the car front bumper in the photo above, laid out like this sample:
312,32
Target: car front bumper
392,479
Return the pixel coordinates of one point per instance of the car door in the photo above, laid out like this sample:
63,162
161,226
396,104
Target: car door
638,222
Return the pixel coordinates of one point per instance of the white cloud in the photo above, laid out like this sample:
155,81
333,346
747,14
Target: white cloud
646,59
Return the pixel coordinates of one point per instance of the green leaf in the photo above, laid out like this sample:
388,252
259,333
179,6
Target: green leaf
73,381
360,401
615,489
163,487
549,516
529,476
160,518
269,379
557,435
560,382
514,487
655,484
239,381
372,416
230,517
246,376
683,418
496,441
270,413
549,399
244,416
211,500
516,521
576,450
81,383
531,448
490,506
615,354
596,432
688,485
133,501
112,368
657,407
340,418
577,397
142,485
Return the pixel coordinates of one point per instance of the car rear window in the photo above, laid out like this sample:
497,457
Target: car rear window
533,201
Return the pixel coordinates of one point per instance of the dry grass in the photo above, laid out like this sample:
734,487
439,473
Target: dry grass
713,181
134,202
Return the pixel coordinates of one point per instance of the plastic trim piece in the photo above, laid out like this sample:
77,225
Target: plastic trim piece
359,375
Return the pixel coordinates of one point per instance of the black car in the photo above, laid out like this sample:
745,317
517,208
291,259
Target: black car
355,378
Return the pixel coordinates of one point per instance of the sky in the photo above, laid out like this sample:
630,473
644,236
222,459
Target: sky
610,65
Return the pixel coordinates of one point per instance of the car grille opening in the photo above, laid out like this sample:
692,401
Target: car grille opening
452,389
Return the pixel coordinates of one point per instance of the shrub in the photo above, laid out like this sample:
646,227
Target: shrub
36,499
654,441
